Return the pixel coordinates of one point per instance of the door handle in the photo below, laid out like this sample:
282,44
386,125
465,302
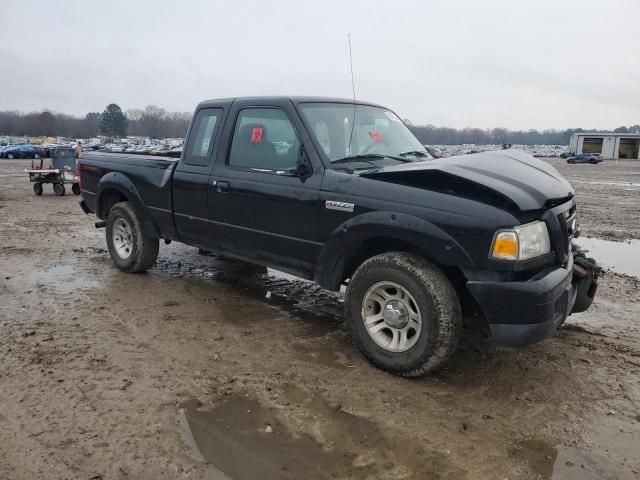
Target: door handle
221,187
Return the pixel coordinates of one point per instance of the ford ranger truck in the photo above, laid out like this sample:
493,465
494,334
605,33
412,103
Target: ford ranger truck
342,193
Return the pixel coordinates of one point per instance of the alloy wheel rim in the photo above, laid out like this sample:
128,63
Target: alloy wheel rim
391,316
122,237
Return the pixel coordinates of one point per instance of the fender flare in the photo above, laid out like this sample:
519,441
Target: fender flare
345,241
121,183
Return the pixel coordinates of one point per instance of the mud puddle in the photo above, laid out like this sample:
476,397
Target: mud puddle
610,451
244,440
568,463
62,279
621,257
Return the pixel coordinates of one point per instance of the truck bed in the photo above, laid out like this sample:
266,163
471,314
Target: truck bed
149,176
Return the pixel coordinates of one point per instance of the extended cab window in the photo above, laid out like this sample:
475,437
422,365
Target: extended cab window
201,137
264,139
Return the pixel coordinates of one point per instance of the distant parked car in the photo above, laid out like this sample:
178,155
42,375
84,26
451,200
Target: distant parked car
585,158
23,151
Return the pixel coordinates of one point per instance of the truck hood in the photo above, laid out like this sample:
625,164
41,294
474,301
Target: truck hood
510,179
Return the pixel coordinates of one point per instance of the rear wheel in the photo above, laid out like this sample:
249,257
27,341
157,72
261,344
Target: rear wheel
403,313
37,188
58,189
75,188
131,249
11,156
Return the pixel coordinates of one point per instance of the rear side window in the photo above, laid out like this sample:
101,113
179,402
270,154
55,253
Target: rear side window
264,139
201,138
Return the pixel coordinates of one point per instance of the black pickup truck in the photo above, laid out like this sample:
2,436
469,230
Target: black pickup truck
341,192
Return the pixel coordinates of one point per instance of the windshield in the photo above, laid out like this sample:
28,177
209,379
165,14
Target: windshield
377,132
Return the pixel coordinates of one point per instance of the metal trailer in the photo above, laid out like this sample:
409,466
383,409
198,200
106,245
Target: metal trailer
61,171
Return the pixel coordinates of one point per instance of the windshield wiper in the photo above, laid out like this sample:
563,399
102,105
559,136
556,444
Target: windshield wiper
356,158
367,156
417,153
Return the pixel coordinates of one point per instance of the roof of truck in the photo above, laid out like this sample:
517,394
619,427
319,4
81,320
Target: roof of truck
294,99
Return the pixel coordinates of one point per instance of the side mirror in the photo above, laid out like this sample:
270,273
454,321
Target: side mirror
303,165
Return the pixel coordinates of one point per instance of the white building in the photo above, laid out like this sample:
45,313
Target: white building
609,145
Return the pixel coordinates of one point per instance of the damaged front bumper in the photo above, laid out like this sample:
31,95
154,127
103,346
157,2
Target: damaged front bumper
524,312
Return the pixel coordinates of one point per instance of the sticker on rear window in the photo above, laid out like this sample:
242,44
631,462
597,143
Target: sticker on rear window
376,135
256,135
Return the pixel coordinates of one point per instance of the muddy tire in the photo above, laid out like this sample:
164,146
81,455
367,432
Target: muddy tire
130,248
403,313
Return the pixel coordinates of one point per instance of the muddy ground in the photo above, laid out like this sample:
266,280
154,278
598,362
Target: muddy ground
203,365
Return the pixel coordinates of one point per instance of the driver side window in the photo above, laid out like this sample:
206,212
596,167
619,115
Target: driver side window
264,139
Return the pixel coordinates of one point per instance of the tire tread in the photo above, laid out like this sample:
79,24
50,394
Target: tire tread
147,247
445,301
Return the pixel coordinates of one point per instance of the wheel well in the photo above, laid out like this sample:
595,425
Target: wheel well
372,247
377,245
108,199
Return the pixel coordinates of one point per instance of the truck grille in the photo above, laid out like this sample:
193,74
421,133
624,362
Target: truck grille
567,221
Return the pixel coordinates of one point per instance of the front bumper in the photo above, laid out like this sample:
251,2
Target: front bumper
525,312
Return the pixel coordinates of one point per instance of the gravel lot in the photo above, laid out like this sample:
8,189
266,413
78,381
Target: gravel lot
205,362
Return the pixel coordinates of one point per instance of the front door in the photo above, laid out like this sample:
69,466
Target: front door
265,210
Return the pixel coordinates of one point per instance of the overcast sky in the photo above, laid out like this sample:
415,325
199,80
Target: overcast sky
493,63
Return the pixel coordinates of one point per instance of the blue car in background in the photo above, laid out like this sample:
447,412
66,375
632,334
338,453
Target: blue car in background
22,151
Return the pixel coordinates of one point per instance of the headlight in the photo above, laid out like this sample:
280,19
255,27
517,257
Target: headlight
522,242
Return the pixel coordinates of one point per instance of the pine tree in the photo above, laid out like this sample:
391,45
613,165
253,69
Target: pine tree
113,122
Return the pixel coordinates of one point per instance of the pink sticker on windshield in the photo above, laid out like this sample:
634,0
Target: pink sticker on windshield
376,135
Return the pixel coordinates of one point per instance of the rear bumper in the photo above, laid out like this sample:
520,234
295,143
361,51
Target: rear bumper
522,313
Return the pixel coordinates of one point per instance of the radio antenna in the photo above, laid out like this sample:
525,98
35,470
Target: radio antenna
353,89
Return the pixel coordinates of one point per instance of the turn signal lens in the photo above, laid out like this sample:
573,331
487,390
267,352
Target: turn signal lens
505,246
522,242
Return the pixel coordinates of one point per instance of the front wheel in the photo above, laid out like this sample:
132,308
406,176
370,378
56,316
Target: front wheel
131,249
37,188
10,156
403,313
